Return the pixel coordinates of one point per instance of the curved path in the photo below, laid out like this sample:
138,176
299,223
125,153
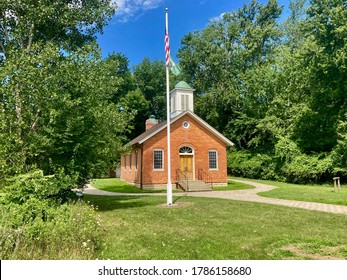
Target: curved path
243,195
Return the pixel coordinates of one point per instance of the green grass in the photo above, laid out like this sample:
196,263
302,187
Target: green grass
312,193
116,185
232,186
205,228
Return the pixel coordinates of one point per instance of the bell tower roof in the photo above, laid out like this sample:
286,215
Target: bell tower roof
183,85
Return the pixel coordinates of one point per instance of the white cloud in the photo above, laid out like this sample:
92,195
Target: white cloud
218,18
127,9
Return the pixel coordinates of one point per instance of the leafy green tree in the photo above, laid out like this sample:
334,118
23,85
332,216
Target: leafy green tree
230,64
123,73
324,57
68,24
26,26
277,90
136,103
290,81
56,90
67,120
150,79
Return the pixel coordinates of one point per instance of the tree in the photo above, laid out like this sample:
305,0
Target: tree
324,57
56,90
68,24
27,25
150,80
135,103
230,64
123,73
67,120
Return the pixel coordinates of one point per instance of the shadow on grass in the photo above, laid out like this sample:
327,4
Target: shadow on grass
109,203
177,198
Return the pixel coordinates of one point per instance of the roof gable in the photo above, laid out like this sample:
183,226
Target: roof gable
159,127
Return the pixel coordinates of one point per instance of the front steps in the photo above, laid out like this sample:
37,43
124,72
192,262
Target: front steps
194,185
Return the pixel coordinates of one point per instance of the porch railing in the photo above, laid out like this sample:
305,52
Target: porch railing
205,177
182,180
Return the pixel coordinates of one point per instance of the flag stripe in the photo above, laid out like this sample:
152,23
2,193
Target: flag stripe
167,49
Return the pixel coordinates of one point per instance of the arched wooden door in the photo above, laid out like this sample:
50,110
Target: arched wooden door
186,155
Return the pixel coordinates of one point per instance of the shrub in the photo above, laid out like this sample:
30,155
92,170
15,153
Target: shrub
56,188
288,164
308,168
339,154
36,230
245,164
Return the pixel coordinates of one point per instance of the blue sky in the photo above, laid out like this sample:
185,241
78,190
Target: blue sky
137,29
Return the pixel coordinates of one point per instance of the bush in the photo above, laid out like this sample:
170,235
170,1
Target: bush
288,164
258,166
308,168
55,188
297,167
36,230
40,218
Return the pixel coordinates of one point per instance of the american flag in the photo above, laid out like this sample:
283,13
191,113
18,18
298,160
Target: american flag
167,49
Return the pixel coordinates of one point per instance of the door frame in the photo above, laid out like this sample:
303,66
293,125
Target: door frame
186,150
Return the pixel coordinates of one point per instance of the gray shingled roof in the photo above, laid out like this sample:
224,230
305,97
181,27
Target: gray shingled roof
159,127
148,132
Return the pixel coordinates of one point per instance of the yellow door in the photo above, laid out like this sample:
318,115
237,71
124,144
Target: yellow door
186,166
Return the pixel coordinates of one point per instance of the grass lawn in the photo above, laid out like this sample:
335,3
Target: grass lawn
312,193
232,186
116,185
205,228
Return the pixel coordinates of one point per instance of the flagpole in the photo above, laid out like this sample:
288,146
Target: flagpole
168,118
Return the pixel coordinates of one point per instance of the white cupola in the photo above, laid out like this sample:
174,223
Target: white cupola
181,99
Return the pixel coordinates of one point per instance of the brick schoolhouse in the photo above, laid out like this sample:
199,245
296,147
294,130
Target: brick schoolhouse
198,151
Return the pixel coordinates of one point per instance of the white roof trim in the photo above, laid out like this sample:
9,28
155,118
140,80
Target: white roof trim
211,129
198,119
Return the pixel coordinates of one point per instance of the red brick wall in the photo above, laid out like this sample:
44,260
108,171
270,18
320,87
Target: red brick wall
197,137
131,173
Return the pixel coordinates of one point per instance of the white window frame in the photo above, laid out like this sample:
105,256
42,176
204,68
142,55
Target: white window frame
209,159
162,160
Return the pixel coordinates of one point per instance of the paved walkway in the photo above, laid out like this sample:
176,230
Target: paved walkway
243,195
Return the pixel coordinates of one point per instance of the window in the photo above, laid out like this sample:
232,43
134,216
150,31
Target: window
185,150
125,162
158,160
136,160
212,160
130,160
185,124
184,102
